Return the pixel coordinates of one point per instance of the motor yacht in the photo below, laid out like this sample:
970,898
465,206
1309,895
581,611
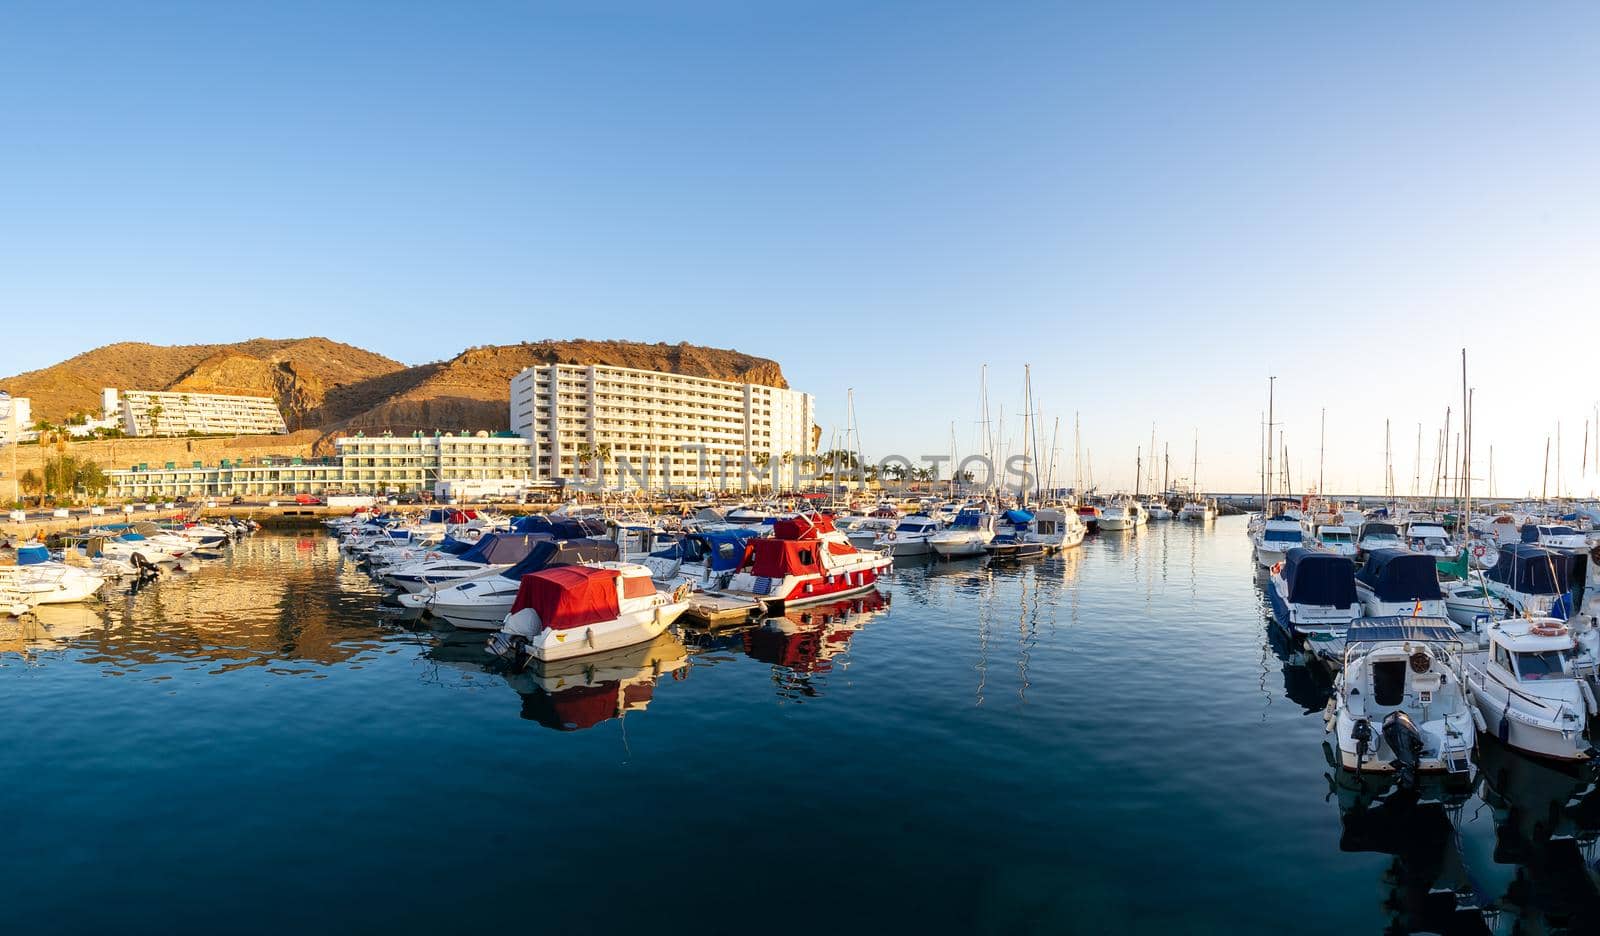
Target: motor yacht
804,561
1274,538
1122,513
909,537
1335,538
1201,509
1429,538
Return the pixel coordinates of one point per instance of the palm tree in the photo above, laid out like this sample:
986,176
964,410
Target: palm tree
31,483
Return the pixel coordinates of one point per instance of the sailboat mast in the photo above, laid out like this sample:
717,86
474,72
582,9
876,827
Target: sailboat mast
1272,383
1322,453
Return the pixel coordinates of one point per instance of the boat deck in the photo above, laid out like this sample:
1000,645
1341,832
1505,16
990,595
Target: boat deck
713,609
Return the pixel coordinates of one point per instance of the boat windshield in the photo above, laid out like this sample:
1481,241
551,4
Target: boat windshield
1331,536
1558,531
1282,536
1544,664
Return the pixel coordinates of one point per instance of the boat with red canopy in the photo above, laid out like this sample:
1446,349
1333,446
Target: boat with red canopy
572,611
805,561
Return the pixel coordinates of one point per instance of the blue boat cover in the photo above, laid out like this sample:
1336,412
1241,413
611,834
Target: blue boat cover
1532,570
500,548
1397,575
1530,533
32,554
1420,629
452,546
967,520
725,547
1019,517
546,553
1319,578
533,523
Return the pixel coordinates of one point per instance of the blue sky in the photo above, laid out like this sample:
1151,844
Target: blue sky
1154,205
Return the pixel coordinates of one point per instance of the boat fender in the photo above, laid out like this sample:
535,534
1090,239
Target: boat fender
1504,731
588,637
1477,721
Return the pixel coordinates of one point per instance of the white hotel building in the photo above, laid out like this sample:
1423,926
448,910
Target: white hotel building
658,429
167,413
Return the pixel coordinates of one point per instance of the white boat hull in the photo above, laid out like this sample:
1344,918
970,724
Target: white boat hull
626,630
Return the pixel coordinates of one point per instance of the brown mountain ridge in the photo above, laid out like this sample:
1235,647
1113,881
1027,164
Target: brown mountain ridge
332,387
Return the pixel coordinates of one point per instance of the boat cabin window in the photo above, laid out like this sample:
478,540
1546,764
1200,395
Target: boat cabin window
1503,658
1389,682
1283,536
1543,664
1337,537
806,558
1047,527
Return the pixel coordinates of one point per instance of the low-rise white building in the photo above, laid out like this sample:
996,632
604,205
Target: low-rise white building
655,430
380,464
175,413
16,420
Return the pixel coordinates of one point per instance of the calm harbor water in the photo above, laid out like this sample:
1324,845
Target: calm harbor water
1108,742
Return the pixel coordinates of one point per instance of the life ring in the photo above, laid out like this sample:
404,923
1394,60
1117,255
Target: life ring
1277,568
1548,629
889,536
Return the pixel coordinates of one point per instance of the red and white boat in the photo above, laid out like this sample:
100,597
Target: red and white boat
572,611
805,561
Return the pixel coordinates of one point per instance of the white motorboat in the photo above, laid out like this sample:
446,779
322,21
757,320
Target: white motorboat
1057,529
910,537
967,535
805,561
1429,538
1122,513
1554,536
1274,538
1335,538
1470,604
1157,509
1529,579
574,611
494,552
1399,702
45,581
1397,582
482,603
1378,534
1199,509
1313,596
1527,690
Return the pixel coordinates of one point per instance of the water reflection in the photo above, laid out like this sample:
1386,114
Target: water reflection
1546,821
576,694
804,643
265,602
1425,887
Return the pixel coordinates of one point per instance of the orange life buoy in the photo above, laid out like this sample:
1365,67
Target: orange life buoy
1548,629
890,536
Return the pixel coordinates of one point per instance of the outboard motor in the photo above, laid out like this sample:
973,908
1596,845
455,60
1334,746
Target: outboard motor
1403,738
145,568
1362,732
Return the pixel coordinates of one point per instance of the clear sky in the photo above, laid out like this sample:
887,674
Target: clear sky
1154,205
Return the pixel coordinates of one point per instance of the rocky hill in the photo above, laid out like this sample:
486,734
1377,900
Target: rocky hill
333,387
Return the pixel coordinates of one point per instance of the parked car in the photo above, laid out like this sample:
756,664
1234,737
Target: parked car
237,499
